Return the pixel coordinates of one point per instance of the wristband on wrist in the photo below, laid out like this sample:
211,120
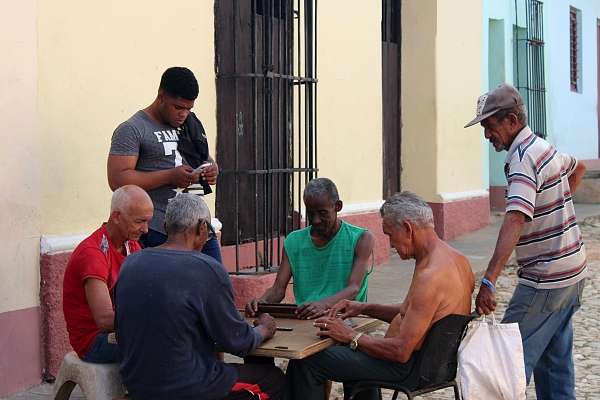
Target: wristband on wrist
489,284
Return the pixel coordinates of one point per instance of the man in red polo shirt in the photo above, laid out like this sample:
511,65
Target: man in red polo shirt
92,272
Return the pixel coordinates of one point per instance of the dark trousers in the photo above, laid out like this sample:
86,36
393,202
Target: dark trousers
102,352
254,379
155,238
306,378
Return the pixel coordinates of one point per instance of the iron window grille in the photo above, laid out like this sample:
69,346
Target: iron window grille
575,49
529,68
266,62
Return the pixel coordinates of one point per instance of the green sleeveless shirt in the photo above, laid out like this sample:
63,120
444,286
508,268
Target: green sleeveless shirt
320,272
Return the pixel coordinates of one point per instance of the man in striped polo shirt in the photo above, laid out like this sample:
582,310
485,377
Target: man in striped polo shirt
540,224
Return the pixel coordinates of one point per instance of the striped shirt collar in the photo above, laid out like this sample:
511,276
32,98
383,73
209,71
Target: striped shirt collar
520,138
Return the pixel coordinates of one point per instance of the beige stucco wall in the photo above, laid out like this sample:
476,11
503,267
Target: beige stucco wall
440,84
349,98
77,69
19,158
418,97
458,77
100,62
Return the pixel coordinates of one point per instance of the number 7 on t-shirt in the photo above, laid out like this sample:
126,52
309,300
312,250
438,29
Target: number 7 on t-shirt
171,147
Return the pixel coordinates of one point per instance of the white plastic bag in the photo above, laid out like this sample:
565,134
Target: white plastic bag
491,363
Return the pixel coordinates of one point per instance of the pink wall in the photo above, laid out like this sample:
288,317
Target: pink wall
55,338
497,200
372,221
458,217
20,350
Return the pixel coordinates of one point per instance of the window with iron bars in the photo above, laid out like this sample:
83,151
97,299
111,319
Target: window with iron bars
575,49
529,62
266,64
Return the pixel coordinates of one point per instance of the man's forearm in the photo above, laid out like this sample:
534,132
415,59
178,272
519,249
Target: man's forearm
507,240
383,312
107,324
349,293
576,177
387,348
272,295
147,180
263,331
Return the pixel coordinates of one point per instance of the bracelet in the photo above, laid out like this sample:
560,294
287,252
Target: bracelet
489,284
354,342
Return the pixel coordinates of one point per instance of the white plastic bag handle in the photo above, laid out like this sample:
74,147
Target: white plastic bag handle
483,319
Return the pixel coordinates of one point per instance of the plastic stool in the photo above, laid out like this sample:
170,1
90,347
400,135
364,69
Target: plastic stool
97,381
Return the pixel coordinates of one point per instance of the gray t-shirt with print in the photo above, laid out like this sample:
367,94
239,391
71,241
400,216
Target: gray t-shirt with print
155,145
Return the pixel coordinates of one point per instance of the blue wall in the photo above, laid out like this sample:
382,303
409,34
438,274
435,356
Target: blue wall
499,20
572,116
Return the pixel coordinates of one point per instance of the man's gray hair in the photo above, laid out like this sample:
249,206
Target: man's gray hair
125,196
407,206
519,110
184,211
119,200
321,187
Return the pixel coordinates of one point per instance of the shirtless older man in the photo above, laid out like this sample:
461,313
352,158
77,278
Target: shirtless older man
442,284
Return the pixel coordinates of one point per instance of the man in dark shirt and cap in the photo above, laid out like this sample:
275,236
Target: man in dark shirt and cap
174,307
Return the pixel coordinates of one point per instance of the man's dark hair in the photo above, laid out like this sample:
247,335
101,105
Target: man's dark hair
179,82
320,187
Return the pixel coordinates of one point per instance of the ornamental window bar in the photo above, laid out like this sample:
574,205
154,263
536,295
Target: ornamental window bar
529,65
266,65
575,49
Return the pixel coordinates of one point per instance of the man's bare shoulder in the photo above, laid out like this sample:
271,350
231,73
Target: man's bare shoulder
368,237
448,272
427,279
446,256
365,243
463,264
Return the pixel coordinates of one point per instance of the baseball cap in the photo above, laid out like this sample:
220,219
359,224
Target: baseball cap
503,97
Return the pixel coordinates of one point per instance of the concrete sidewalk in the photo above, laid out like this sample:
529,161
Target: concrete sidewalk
389,283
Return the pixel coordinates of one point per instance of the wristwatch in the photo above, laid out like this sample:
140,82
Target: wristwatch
354,342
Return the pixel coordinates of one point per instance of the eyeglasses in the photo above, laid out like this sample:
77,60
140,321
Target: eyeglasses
209,227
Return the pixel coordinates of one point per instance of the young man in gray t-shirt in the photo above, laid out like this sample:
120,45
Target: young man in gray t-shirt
144,152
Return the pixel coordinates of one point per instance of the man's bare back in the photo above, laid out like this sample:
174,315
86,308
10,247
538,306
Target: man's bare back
442,284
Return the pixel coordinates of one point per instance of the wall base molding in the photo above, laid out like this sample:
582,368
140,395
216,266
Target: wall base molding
497,198
460,216
21,360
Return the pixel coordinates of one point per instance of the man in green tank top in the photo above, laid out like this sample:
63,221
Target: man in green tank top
328,259
442,284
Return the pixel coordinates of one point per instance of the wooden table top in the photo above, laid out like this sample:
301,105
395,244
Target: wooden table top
303,341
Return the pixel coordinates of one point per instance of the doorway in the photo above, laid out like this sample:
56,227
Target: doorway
390,71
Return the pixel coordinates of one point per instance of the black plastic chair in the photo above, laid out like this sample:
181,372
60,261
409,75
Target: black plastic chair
436,363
